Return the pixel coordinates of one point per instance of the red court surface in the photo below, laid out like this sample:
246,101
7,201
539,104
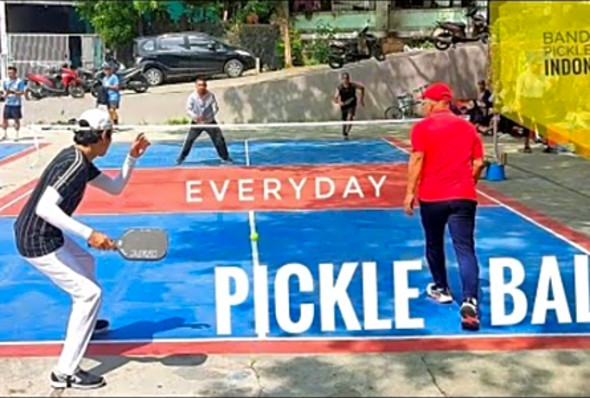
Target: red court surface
262,188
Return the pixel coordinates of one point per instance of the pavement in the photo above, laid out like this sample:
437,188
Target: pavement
554,184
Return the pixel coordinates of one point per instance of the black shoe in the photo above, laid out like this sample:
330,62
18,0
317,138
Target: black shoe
101,327
179,161
81,380
228,160
469,315
527,149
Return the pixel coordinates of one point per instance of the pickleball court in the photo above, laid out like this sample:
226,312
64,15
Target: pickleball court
311,202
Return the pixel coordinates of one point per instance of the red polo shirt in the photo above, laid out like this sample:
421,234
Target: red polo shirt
450,144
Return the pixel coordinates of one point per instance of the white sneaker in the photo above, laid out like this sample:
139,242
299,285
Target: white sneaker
442,296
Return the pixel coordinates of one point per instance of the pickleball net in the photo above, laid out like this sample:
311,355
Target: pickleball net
253,131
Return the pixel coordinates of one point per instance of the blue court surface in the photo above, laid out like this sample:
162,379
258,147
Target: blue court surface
263,153
7,150
177,298
206,289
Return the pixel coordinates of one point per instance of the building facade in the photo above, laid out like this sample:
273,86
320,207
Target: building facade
401,18
36,35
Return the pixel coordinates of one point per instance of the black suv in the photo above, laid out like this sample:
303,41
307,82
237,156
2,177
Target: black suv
186,55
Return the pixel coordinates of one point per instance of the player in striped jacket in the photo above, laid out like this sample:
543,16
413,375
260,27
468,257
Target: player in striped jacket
39,235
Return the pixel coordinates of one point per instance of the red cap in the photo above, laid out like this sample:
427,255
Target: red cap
438,92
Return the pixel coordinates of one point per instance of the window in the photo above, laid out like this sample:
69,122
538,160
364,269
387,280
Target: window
172,43
202,43
148,46
307,6
430,3
196,41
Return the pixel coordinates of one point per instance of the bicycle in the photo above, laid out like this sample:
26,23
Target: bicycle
406,105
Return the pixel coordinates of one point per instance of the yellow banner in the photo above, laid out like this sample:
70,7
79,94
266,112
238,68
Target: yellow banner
540,57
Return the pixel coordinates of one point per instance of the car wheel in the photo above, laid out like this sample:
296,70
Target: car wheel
154,76
233,68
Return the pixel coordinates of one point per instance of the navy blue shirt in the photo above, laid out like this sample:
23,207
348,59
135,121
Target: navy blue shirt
68,173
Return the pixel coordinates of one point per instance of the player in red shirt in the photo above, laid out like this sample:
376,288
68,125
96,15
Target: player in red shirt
444,167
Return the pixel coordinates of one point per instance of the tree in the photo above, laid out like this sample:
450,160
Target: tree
119,22
115,21
284,21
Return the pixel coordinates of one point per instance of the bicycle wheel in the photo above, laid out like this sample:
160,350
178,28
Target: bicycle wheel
393,112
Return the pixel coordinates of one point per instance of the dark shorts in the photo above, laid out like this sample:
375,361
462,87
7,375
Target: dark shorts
349,110
12,112
113,104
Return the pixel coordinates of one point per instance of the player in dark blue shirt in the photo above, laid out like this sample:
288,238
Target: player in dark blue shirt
39,235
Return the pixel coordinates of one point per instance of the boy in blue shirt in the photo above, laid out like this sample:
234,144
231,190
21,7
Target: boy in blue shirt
12,90
110,82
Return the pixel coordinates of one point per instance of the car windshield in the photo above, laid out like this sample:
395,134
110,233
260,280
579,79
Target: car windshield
221,42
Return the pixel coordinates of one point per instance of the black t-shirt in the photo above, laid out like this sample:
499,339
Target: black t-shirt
348,95
68,173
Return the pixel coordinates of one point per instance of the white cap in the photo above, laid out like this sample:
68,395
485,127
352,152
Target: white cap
98,119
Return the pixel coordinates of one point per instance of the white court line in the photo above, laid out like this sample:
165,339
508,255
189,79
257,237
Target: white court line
479,336
259,292
513,210
13,201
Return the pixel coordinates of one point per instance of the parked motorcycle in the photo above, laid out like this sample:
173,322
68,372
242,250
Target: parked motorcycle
447,34
58,82
87,78
129,79
341,53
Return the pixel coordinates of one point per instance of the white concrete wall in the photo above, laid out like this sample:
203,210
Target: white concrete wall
303,97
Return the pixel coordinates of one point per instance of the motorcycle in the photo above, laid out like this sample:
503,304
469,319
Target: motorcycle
129,79
87,78
342,53
447,34
56,83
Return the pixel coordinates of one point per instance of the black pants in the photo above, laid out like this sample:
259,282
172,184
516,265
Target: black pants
347,112
460,216
214,133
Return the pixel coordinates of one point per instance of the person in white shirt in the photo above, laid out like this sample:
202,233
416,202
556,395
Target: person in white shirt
202,107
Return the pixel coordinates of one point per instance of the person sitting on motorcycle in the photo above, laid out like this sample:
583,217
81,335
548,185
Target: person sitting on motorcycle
363,45
110,83
363,48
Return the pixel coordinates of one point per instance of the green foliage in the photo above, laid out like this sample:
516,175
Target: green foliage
296,48
178,121
117,21
309,52
263,8
316,50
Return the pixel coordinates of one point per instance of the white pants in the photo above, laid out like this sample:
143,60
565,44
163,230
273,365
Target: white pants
71,268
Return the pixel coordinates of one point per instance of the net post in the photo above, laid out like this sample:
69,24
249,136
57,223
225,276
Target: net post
495,137
37,149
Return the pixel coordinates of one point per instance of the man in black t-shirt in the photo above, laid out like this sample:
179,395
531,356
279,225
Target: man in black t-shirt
346,98
39,235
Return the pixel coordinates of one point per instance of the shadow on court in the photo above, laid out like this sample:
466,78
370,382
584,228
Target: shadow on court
145,331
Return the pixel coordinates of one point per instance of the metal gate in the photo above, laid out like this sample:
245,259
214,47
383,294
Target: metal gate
34,53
